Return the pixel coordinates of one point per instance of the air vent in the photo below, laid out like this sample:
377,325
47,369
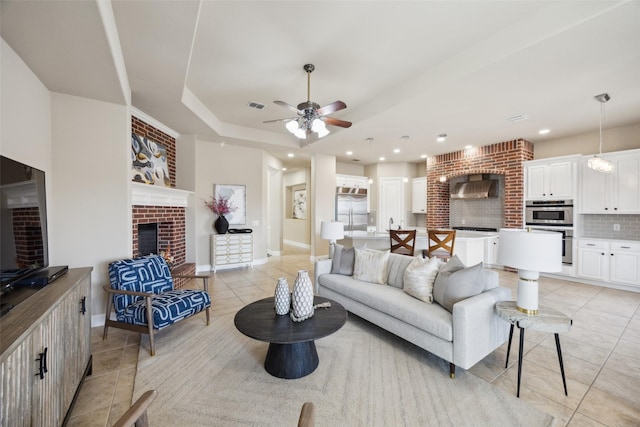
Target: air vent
355,160
518,118
256,105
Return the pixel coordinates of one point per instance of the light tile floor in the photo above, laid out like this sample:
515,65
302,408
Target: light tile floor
601,352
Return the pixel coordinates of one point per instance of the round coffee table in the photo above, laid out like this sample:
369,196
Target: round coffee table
292,349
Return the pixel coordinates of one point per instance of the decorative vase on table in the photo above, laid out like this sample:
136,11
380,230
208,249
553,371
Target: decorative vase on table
282,297
221,224
302,297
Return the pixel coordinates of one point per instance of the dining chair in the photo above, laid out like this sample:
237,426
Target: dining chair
402,241
440,243
136,415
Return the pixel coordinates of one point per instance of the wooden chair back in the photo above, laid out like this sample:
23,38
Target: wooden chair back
136,415
440,243
402,241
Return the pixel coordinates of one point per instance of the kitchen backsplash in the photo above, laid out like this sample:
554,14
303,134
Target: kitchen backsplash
481,212
601,226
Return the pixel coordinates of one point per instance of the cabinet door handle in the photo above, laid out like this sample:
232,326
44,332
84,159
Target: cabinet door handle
591,244
602,253
606,209
625,247
42,368
83,305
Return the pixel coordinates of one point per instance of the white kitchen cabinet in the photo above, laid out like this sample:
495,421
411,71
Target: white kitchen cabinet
612,193
419,195
352,181
231,250
550,178
609,261
491,250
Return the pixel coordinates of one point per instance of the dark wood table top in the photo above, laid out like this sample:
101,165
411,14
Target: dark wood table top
259,321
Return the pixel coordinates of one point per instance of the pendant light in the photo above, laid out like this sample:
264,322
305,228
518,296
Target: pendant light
598,163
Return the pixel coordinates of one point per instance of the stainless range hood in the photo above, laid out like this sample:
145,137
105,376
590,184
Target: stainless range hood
477,187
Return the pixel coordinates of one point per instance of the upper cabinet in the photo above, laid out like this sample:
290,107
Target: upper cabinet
419,195
352,181
612,193
550,178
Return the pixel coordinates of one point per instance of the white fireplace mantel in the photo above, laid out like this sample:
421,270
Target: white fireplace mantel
152,195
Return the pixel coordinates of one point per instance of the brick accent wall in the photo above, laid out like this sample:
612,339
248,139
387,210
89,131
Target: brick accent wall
504,158
143,129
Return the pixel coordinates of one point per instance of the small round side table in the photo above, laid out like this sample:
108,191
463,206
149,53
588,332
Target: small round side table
547,320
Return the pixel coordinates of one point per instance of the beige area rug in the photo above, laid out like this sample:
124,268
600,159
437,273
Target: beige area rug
214,376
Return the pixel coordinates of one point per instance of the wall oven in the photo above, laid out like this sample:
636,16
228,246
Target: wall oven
567,243
549,212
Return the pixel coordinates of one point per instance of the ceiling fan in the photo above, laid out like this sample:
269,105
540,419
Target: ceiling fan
311,117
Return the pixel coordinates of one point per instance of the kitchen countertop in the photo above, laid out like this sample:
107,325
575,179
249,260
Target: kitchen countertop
460,234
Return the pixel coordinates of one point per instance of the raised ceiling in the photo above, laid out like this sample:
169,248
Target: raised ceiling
417,69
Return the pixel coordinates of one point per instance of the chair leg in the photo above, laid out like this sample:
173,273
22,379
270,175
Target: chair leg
452,370
107,316
152,343
206,288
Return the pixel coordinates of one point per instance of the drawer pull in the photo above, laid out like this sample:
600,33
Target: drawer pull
83,305
591,244
625,247
42,369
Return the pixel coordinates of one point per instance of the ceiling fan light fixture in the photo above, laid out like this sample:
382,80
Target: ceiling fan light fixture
318,125
597,162
292,126
323,132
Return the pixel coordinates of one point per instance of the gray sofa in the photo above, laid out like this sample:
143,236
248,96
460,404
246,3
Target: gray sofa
462,337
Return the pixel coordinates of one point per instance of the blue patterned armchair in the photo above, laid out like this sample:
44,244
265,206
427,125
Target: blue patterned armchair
144,299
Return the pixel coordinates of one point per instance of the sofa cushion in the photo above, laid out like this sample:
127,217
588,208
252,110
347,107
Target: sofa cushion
371,266
396,265
439,286
343,260
458,285
431,318
419,277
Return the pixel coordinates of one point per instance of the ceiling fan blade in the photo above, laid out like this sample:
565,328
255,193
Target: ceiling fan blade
290,107
331,108
280,120
336,122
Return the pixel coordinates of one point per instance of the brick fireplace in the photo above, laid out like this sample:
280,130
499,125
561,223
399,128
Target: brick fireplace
504,158
164,206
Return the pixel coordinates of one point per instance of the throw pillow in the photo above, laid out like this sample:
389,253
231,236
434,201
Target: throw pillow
458,285
371,266
419,277
343,260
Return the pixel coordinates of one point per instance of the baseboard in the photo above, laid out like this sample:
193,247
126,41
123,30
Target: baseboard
297,244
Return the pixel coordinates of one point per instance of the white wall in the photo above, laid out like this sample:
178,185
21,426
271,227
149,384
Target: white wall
228,164
614,139
90,221
349,169
25,108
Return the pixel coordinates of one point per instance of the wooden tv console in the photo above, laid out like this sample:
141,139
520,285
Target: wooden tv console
45,352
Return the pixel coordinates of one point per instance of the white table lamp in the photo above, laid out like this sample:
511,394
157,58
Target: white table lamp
531,252
331,231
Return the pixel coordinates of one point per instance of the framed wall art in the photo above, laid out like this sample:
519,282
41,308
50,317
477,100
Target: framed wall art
237,197
300,204
149,162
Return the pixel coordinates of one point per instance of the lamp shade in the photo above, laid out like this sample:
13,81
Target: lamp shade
534,250
331,230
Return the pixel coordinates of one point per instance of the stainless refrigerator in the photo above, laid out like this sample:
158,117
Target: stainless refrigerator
351,208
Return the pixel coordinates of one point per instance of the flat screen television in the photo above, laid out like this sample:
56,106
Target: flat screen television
23,221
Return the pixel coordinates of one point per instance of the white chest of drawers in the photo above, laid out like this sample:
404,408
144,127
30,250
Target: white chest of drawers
231,250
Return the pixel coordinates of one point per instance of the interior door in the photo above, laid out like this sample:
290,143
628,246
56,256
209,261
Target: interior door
391,203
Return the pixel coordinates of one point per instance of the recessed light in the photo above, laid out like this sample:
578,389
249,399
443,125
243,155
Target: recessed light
349,153
369,139
290,155
284,169
381,159
442,137
404,137
544,131
424,156
467,147
397,150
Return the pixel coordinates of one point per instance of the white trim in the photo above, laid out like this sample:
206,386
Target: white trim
153,195
153,122
297,244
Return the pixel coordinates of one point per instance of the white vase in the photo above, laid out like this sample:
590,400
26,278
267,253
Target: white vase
302,297
282,296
